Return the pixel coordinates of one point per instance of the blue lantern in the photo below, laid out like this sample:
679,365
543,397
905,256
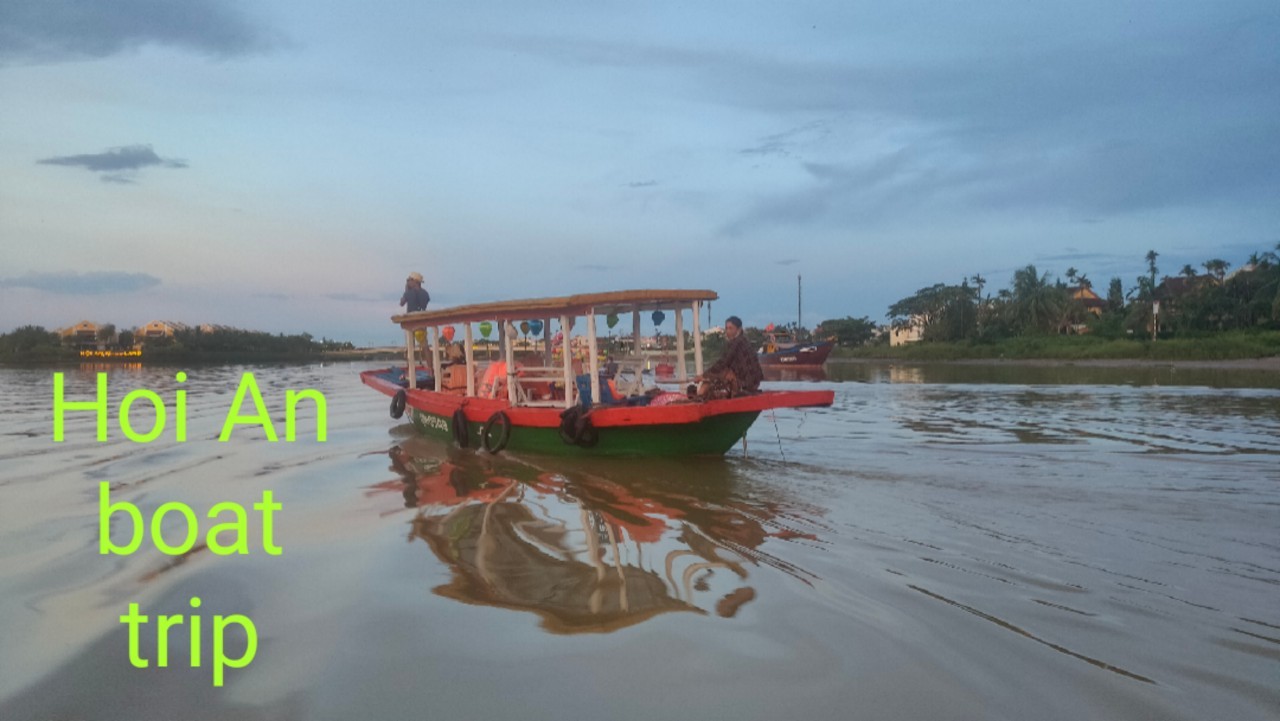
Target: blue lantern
535,327
658,317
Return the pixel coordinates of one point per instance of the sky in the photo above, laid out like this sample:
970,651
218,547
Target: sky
283,165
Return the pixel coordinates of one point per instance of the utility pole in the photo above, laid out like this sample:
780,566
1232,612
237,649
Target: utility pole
799,306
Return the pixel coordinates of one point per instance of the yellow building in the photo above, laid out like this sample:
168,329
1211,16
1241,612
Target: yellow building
82,333
1091,301
911,333
159,329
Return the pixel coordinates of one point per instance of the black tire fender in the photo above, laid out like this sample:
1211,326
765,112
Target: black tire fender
568,425
398,402
576,428
495,443
461,430
590,435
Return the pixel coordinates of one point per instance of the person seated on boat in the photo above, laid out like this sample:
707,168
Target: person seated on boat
737,372
454,353
415,297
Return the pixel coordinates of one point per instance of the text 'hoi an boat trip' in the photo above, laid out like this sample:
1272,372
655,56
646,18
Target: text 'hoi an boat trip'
556,395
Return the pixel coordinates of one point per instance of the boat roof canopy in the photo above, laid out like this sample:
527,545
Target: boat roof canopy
622,301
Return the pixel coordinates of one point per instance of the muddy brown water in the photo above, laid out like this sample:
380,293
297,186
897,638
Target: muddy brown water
958,542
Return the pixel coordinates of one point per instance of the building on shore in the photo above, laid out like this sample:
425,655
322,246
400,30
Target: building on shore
158,329
84,333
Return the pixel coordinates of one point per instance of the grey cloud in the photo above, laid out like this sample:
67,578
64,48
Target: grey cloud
93,283
1098,112
60,30
1078,256
785,143
271,296
862,192
787,261
642,184
116,164
356,298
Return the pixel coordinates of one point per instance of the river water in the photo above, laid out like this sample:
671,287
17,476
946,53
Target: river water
958,542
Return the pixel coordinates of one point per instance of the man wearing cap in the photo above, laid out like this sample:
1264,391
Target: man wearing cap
415,296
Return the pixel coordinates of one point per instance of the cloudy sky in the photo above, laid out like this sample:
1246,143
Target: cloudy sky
282,165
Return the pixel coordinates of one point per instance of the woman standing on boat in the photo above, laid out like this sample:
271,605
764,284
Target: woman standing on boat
738,369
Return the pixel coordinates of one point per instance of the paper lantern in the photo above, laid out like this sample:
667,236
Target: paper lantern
535,327
486,328
611,319
447,332
658,317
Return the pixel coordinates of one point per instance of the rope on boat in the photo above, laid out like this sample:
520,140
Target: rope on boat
777,433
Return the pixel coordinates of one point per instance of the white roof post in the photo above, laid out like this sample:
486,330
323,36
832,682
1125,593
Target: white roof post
682,370
411,370
594,363
507,327
471,361
546,341
567,357
435,357
697,338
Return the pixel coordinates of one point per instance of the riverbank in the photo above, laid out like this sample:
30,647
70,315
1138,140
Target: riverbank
1271,363
1232,346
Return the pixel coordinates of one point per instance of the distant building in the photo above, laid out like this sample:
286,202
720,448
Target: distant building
159,329
80,334
908,334
1091,301
215,328
912,332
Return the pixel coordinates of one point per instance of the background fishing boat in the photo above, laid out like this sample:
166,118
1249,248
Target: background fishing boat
781,349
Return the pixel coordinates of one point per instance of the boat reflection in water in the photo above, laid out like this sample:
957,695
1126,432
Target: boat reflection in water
794,373
584,552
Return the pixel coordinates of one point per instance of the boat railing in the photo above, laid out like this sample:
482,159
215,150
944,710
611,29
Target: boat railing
534,384
629,378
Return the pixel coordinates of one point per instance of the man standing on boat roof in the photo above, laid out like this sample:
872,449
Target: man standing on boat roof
738,369
415,296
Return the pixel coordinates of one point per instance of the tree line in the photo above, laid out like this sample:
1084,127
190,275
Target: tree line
33,343
1036,303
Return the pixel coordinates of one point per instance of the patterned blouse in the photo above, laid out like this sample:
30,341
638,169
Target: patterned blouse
740,358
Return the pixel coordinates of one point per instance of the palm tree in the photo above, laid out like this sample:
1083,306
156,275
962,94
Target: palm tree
1084,281
1188,271
1151,266
1217,267
979,281
1037,303
1071,275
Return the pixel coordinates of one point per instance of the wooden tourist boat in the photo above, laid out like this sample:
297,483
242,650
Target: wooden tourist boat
525,401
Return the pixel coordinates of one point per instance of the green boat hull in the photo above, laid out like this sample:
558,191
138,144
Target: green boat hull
711,436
